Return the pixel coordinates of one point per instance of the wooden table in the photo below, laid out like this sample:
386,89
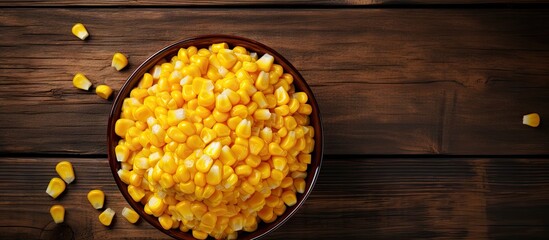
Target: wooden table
422,104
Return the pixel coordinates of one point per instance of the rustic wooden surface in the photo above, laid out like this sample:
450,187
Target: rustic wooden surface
422,111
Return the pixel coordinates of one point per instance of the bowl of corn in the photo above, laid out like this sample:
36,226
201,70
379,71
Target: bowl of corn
215,137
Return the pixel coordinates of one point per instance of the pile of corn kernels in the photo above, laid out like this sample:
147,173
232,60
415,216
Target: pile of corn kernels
214,141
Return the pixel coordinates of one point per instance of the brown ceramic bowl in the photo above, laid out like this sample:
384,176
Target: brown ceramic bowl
204,42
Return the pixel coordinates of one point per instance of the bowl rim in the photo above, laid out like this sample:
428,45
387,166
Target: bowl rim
131,82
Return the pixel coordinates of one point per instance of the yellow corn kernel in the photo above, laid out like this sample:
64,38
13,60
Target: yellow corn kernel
293,105
175,116
199,234
166,181
226,156
531,119
200,179
305,109
289,198
136,193
233,122
236,222
204,163
276,150
65,171
156,205
80,81
230,181
252,107
119,61
277,175
240,152
221,130
213,150
96,198
106,217
207,135
244,129
195,142
57,213
226,59
266,134
260,99
181,175
262,82
265,62
122,125
249,66
240,111
223,104
289,141
124,175
282,96
103,91
266,213
215,174
166,221
299,184
244,97
187,128
243,170
55,187
167,163
187,187
301,97
262,114
130,215
256,144
80,31
279,163
282,110
265,170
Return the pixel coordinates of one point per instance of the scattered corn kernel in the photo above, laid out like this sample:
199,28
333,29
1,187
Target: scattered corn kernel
106,217
130,215
80,31
80,81
55,187
96,198
65,171
531,119
57,213
215,141
119,61
103,91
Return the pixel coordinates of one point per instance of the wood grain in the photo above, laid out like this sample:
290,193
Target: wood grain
394,81
261,3
363,198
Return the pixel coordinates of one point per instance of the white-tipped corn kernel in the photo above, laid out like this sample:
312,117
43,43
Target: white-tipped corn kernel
55,187
65,171
80,31
119,61
130,215
265,62
106,217
96,198
531,119
81,81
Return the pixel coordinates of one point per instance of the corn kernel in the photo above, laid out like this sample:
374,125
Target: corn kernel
119,61
243,170
289,198
103,91
65,171
262,114
96,198
80,81
55,187
57,212
244,129
106,217
130,215
265,62
80,31
199,234
531,119
165,221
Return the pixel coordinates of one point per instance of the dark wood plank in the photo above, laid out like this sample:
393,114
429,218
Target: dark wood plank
359,198
241,3
391,81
